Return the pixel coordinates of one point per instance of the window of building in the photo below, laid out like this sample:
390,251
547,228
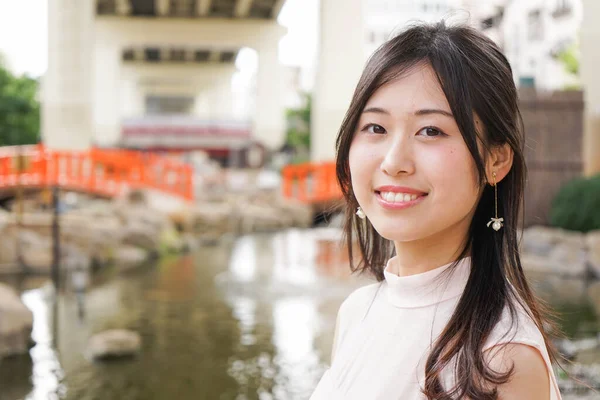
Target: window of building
535,24
152,54
562,8
177,55
128,55
371,36
168,105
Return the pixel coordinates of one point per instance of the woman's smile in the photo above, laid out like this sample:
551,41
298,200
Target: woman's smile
398,197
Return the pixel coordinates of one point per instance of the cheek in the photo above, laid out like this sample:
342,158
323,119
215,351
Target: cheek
360,161
452,170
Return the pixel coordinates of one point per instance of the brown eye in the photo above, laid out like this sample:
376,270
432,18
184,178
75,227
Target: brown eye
374,128
430,131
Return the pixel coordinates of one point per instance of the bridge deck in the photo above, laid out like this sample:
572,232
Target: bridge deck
97,171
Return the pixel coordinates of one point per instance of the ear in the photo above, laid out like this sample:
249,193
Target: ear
500,161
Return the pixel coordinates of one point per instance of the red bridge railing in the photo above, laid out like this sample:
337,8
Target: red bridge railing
311,182
97,171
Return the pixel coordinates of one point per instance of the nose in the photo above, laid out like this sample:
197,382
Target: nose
399,158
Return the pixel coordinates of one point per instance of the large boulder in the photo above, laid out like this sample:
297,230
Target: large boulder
16,323
301,214
8,248
127,257
5,218
262,218
593,251
36,250
206,220
114,343
140,235
554,250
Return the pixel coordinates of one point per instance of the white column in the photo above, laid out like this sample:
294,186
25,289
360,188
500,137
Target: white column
340,63
590,60
67,95
202,105
269,120
107,112
223,95
131,99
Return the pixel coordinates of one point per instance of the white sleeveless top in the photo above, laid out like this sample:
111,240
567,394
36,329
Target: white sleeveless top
385,331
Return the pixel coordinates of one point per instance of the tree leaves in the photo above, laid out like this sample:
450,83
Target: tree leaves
19,109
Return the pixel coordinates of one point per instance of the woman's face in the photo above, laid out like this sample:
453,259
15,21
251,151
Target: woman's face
412,173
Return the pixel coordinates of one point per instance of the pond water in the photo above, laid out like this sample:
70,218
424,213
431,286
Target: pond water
251,318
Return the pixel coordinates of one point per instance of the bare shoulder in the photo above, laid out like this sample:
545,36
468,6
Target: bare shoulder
530,378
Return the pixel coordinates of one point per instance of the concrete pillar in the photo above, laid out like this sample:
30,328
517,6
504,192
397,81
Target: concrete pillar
67,95
202,105
269,121
340,63
107,76
131,99
590,60
222,95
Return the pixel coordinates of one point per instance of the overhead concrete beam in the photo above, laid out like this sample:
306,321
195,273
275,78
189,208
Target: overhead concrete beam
215,56
224,33
242,8
162,7
277,8
203,7
123,7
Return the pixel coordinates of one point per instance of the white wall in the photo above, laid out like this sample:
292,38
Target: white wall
590,65
384,18
532,57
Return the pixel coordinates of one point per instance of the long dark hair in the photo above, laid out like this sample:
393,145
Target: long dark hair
476,78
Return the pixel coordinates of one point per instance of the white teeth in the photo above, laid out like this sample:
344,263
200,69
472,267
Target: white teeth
392,197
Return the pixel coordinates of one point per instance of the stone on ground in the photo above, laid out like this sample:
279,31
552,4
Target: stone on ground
114,343
16,323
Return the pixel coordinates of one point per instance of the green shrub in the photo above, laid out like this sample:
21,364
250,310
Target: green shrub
577,205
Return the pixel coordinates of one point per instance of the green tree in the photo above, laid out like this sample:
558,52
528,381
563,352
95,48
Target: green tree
19,108
569,58
298,129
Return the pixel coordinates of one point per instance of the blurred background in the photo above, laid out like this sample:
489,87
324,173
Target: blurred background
170,224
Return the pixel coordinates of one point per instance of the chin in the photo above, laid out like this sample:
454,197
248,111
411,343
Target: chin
394,233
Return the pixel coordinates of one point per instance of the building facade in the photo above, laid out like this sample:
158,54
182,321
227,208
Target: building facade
157,74
535,35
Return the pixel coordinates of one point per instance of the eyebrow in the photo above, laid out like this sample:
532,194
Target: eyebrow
426,111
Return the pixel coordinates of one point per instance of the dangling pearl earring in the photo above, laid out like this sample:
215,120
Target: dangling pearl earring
361,214
495,222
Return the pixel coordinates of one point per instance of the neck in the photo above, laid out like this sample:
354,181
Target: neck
422,255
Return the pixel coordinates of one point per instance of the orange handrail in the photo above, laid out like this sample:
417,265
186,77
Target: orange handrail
98,171
311,182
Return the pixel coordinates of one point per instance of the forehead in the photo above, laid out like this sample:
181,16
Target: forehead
415,89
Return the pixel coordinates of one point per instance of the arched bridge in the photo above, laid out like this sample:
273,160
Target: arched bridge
311,183
104,172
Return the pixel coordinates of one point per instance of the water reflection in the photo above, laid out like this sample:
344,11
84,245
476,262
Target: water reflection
252,319
296,326
274,281
47,373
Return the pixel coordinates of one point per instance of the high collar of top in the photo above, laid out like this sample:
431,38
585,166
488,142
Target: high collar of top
427,288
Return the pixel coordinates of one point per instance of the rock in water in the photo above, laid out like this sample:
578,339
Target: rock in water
593,247
115,343
16,323
128,257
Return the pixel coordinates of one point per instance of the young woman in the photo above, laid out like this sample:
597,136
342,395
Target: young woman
430,161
